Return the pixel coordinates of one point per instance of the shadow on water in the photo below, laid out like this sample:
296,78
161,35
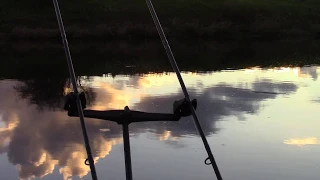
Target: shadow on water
27,60
49,92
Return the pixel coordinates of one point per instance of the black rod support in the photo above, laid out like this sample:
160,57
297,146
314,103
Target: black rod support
127,153
180,109
126,116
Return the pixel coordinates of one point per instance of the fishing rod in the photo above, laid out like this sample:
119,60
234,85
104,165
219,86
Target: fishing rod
183,87
90,160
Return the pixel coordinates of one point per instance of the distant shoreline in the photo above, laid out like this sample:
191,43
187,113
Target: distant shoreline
27,59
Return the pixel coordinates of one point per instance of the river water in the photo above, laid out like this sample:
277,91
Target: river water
261,123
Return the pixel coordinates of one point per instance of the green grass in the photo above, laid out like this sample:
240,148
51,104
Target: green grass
234,19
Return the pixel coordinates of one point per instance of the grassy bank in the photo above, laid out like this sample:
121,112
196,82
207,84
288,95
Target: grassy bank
119,19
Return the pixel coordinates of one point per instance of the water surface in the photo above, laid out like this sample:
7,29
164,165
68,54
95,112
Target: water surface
260,123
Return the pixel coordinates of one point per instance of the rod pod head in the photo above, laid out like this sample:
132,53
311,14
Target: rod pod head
71,102
181,107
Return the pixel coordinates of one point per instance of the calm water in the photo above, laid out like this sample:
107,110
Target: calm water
261,124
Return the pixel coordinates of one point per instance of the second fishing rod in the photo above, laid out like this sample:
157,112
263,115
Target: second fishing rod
183,87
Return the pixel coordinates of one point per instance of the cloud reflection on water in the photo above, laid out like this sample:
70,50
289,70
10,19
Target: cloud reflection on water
214,103
38,141
302,141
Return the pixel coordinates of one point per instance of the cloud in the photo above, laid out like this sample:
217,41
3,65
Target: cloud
213,104
302,141
309,70
268,86
316,100
39,141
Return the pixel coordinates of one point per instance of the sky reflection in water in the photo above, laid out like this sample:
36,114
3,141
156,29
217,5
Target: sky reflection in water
260,123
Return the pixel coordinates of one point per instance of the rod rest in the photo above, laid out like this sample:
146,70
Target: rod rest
181,108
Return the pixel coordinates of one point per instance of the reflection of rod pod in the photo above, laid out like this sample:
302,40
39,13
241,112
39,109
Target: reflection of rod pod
125,117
